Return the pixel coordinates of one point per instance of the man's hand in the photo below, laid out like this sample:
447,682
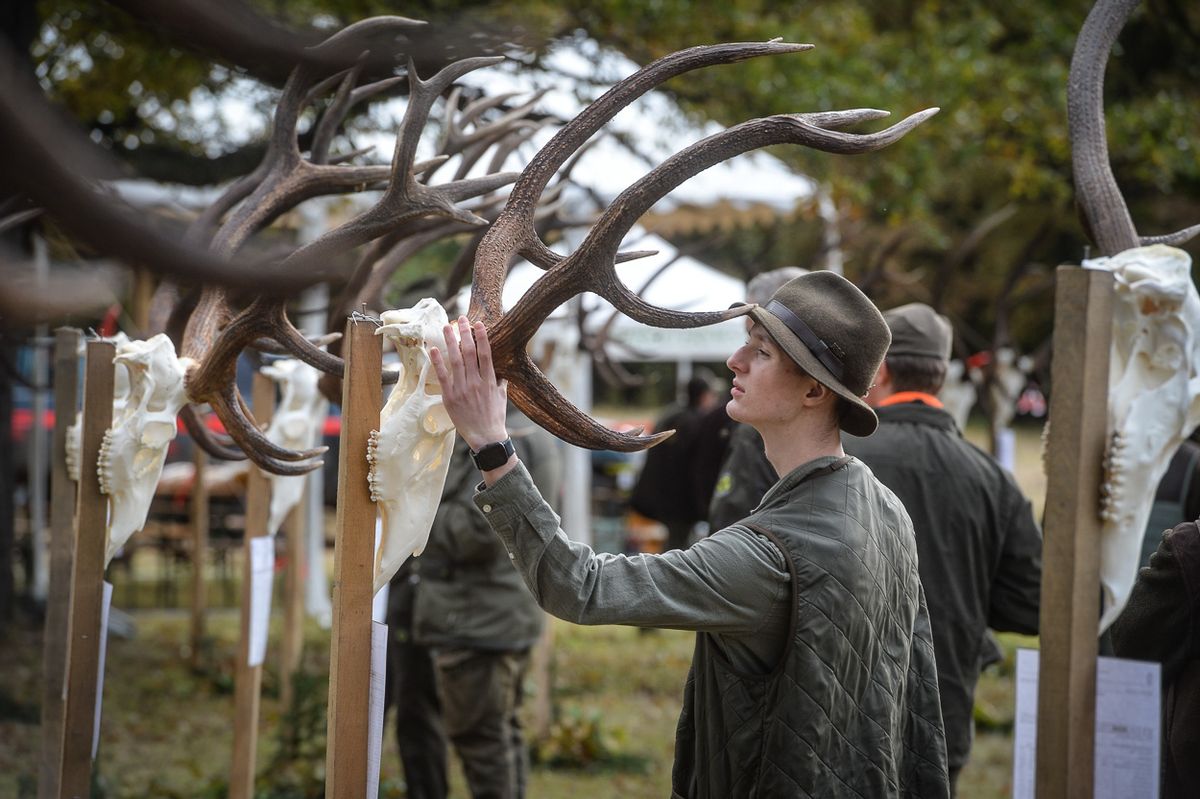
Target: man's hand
475,400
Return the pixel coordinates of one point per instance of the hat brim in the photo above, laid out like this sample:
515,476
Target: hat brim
858,418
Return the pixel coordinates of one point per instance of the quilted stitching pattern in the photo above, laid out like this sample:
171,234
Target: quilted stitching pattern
853,710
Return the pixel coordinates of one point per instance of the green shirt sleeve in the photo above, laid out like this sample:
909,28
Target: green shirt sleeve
733,583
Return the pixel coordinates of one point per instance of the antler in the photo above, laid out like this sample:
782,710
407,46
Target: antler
215,334
1105,214
592,267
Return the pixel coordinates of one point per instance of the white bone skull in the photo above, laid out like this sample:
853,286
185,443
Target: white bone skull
958,393
73,441
410,453
135,447
1154,400
297,425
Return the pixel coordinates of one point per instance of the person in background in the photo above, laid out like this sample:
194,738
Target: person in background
980,549
1162,623
813,672
472,626
1177,498
662,491
740,472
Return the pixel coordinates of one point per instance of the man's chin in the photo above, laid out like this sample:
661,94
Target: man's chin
734,410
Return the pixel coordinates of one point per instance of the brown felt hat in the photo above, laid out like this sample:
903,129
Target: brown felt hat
919,330
835,334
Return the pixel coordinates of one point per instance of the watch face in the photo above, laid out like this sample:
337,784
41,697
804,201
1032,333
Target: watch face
493,456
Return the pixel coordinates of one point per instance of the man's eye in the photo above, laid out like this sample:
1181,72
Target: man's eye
764,353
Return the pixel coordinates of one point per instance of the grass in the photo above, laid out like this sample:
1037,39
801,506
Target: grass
167,728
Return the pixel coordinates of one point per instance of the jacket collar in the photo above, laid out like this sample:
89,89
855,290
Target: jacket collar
824,464
917,413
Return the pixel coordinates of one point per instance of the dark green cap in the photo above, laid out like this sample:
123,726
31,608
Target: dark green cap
919,330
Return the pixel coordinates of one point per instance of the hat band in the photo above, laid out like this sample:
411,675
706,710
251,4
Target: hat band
806,335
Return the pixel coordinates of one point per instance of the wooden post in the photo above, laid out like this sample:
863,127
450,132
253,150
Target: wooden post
62,555
296,529
87,576
247,679
1071,548
199,512
354,566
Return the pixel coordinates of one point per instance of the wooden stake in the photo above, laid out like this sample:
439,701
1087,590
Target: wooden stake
247,680
296,529
1071,549
199,512
354,566
87,576
62,555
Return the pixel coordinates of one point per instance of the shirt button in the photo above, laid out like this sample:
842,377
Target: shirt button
511,556
487,508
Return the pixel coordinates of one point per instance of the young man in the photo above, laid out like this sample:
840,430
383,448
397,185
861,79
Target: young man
813,673
979,546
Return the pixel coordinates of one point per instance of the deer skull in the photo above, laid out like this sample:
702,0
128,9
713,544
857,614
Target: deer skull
135,447
1154,399
120,395
296,425
410,453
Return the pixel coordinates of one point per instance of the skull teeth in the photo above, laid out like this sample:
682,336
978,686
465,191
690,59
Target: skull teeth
1114,477
372,478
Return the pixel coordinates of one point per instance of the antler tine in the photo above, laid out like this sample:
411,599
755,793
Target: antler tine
334,114
422,95
496,128
505,140
231,400
594,267
508,145
512,234
1099,198
19,218
250,440
1174,239
543,404
221,447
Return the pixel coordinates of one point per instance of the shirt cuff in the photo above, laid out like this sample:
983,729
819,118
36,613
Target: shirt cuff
508,499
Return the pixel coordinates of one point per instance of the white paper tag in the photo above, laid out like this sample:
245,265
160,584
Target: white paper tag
105,604
379,639
1128,696
262,574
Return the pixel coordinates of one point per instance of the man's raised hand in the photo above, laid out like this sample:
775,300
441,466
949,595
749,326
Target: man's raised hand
475,400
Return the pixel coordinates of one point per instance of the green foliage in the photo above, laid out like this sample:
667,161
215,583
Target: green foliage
580,740
297,769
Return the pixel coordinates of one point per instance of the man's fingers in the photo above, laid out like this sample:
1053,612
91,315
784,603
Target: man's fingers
483,349
453,354
439,366
467,336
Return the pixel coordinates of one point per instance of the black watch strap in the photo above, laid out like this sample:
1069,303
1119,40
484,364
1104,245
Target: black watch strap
493,456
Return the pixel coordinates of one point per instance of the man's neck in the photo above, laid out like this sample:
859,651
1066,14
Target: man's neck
799,442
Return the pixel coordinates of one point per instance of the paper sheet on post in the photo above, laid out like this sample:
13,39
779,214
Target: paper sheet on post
105,604
262,573
1128,702
379,638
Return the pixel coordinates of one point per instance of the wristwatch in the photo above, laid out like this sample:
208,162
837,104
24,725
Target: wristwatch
493,456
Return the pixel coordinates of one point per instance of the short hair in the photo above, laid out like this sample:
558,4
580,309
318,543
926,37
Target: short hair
763,285
697,387
916,373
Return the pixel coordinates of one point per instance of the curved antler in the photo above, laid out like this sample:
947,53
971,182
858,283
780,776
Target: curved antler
592,267
1105,215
